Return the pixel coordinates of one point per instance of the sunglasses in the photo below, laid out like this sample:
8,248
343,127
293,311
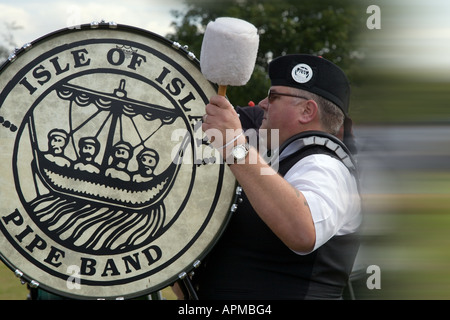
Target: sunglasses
271,96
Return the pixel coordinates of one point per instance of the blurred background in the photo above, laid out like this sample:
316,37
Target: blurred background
397,57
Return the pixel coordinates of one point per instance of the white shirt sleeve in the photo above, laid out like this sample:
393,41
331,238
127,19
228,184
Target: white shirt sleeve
332,195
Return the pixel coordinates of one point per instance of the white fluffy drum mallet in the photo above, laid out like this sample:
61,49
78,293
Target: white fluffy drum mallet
228,53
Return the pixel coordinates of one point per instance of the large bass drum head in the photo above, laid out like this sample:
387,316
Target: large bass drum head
108,186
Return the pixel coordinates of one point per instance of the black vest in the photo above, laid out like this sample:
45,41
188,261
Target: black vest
251,262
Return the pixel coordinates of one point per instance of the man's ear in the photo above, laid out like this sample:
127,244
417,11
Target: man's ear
309,112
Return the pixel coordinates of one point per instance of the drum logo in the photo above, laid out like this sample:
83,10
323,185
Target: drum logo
90,174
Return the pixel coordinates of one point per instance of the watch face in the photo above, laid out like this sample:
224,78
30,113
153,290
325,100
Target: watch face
239,152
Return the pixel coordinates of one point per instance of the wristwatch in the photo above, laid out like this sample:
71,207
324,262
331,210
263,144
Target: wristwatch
239,152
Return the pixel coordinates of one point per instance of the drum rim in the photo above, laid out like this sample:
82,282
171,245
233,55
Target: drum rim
102,26
182,50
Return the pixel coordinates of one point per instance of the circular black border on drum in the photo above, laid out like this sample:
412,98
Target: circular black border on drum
184,53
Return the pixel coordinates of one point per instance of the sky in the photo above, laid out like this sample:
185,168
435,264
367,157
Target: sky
413,34
38,18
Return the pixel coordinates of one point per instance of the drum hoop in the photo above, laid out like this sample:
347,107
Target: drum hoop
183,51
103,26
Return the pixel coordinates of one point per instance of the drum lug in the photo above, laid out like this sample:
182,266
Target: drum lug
34,284
94,24
182,275
13,55
176,45
18,273
191,55
26,46
196,264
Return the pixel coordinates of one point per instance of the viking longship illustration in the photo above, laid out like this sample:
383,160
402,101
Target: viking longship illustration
94,200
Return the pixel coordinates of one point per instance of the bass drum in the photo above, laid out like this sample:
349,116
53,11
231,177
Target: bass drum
109,187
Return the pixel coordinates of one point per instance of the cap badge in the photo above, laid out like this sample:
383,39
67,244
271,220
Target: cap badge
302,73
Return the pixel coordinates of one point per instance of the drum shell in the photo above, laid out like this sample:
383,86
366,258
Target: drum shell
41,233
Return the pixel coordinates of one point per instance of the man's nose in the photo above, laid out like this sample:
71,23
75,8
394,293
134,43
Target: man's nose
264,103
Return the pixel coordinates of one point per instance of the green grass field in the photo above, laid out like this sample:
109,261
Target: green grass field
10,286
413,252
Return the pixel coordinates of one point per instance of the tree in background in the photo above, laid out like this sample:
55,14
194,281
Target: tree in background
8,38
320,27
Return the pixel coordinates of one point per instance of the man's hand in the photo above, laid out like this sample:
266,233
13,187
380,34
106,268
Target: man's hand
221,122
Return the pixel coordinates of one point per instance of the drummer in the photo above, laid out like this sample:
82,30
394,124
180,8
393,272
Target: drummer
293,236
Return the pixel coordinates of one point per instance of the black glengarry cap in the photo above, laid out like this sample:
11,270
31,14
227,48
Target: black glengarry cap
314,74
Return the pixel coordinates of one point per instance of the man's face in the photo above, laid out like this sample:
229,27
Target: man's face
281,112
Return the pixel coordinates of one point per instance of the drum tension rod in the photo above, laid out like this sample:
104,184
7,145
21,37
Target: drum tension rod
191,294
186,285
